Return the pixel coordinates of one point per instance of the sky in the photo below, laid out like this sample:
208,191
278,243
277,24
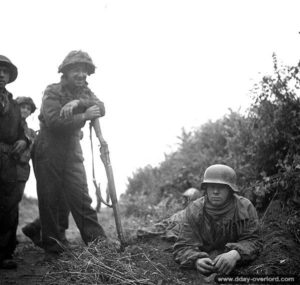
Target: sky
161,65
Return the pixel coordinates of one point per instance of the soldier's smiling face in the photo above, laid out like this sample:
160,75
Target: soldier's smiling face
25,110
4,75
76,75
217,193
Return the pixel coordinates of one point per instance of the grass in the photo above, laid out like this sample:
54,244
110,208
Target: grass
148,261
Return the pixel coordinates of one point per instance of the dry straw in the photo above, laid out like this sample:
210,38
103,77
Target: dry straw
103,263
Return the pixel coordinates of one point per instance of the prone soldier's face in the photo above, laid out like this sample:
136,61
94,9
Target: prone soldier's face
76,76
25,110
4,76
217,193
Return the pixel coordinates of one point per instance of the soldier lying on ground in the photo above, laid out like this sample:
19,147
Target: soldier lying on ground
168,229
12,142
220,230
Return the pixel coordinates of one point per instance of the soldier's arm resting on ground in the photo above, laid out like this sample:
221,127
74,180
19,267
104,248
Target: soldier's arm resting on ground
224,263
187,249
248,244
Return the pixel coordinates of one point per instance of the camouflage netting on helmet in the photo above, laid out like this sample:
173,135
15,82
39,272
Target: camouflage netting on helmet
74,57
26,100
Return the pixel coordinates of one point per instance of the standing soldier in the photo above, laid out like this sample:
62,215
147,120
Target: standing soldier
33,229
58,159
12,143
220,229
27,107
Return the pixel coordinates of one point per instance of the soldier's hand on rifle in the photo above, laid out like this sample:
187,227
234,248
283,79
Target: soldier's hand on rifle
92,113
67,110
19,146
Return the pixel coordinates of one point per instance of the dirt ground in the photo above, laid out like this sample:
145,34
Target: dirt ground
280,255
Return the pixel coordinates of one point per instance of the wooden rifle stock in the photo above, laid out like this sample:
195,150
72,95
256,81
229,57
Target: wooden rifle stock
104,155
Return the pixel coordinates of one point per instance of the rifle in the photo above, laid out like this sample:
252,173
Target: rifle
97,185
104,155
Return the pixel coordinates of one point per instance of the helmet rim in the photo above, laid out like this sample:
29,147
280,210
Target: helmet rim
13,70
77,57
220,174
26,100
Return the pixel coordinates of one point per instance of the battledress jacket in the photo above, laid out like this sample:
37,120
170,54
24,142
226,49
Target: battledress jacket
55,97
11,128
62,135
23,167
200,234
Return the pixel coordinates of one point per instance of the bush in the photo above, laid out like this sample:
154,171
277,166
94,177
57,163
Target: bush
263,146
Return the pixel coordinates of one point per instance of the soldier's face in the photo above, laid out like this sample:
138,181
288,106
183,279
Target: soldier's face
217,193
25,110
76,76
4,76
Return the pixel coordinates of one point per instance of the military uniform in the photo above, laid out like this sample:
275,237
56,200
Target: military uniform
11,131
58,164
169,228
201,233
23,167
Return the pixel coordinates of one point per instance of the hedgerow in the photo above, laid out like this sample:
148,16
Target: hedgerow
262,145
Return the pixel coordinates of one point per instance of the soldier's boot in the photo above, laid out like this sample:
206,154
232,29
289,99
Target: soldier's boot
67,245
33,233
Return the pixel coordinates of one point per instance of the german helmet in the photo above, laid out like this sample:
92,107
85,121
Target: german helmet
220,174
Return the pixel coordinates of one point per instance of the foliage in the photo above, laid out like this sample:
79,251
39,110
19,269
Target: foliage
275,117
262,145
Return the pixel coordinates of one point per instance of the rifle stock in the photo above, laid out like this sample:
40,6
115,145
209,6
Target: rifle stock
104,154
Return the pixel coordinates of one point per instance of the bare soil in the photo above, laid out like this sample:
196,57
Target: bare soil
280,255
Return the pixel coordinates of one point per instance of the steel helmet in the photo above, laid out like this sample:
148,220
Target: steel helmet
77,56
26,100
13,71
192,194
220,174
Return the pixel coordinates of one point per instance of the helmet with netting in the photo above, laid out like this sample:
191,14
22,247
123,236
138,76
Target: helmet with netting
75,57
26,100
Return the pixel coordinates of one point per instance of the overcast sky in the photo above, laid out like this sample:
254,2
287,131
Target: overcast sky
161,65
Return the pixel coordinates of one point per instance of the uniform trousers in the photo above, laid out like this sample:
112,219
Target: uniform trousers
60,174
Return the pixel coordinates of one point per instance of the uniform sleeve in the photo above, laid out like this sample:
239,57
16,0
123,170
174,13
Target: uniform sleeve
30,135
186,249
248,244
50,110
22,133
93,100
